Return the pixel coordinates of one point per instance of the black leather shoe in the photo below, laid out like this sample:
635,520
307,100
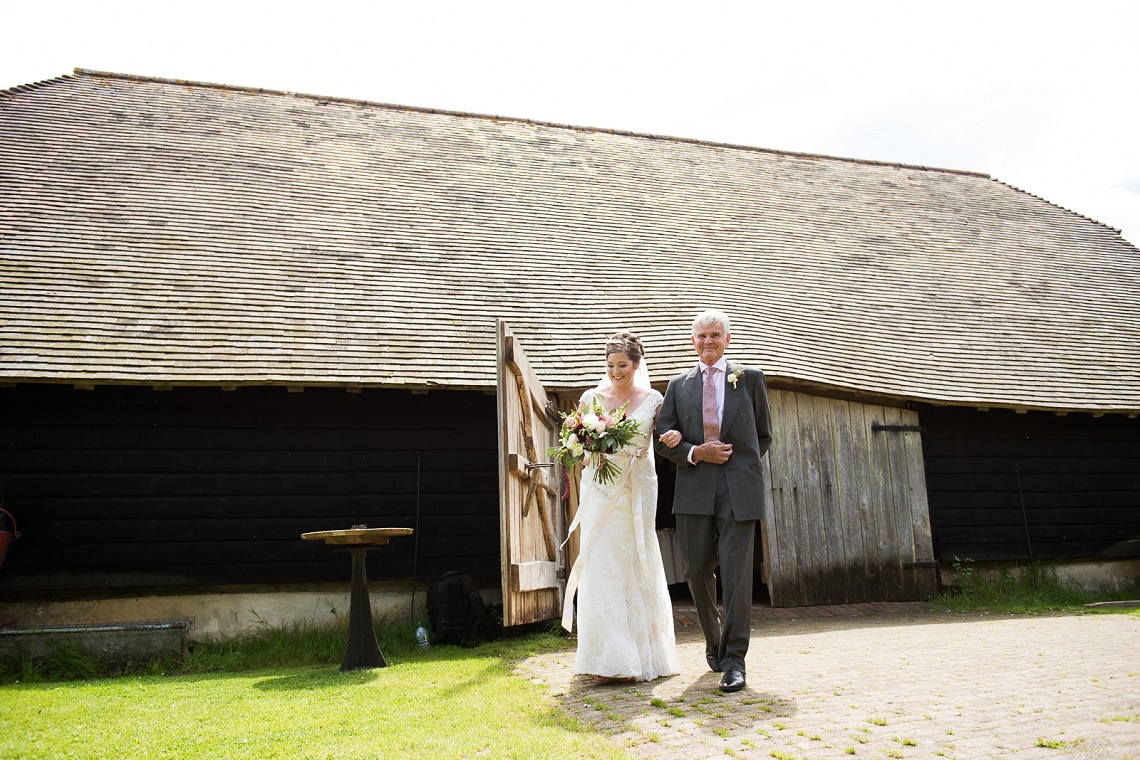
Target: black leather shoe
714,663
732,680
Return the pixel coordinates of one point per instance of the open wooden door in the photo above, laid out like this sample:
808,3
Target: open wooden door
531,518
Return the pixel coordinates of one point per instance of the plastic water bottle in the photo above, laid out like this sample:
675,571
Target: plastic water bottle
422,637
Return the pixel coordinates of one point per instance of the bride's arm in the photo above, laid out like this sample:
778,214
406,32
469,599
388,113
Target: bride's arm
670,437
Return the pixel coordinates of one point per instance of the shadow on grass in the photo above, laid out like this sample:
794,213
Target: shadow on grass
316,678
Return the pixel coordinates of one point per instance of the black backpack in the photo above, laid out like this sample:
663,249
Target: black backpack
457,613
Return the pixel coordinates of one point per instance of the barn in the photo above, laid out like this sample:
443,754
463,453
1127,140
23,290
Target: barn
229,316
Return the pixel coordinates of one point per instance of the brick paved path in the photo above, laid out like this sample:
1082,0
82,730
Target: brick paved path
882,681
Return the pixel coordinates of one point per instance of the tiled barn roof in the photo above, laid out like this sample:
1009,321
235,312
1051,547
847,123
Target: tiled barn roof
166,232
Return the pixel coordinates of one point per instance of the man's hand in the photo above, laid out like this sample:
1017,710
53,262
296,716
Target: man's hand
712,451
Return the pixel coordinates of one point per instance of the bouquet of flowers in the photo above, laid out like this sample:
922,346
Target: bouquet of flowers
596,432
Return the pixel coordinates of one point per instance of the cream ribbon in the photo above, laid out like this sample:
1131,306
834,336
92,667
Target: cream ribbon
591,538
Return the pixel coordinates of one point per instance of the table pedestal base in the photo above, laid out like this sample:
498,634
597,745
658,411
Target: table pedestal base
362,650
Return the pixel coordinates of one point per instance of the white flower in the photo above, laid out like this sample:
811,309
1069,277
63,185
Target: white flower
593,422
735,375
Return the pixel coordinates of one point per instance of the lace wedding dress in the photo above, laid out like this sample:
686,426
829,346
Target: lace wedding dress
625,618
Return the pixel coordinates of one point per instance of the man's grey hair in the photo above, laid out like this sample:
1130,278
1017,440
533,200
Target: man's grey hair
710,317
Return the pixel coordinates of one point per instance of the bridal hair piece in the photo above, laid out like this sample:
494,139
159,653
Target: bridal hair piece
629,344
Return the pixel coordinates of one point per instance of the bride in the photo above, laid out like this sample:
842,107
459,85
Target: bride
625,618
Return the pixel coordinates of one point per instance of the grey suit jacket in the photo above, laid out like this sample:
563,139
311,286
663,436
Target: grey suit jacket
745,424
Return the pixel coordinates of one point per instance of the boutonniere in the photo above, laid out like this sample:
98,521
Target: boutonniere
735,375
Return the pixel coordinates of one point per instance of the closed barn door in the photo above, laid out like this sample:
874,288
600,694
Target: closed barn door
848,519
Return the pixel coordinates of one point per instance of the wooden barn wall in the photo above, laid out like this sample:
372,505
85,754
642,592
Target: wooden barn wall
122,487
1003,485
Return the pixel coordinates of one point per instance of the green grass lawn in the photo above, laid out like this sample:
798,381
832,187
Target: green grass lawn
445,702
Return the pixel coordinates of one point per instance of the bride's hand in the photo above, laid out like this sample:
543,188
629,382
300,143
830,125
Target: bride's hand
670,438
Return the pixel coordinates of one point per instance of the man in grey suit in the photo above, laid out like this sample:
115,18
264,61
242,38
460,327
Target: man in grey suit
717,428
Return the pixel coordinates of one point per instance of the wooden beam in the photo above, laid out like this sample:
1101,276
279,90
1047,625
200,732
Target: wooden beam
525,375
534,576
520,467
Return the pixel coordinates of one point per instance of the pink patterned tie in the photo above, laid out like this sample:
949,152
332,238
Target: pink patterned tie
708,406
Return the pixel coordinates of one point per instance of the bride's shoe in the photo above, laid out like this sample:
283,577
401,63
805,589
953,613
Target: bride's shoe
614,679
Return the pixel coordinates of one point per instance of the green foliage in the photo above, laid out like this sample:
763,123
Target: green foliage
69,663
269,647
291,646
1032,588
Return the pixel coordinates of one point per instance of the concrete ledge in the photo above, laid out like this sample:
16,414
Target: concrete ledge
1133,604
224,612
118,644
1092,575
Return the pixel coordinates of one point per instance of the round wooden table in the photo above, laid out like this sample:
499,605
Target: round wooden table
362,650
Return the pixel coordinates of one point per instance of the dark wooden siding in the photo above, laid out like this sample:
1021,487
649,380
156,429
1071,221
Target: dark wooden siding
1078,477
127,486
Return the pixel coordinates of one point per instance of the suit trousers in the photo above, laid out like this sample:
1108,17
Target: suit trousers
709,542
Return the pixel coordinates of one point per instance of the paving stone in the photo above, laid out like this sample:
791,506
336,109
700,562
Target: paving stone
881,681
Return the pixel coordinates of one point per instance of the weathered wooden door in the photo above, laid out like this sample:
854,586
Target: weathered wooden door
532,522
847,519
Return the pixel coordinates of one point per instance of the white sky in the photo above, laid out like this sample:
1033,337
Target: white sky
1042,95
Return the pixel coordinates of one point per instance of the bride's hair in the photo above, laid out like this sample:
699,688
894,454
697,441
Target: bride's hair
627,343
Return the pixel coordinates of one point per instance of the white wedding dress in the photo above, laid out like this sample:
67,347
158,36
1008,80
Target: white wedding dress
625,618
